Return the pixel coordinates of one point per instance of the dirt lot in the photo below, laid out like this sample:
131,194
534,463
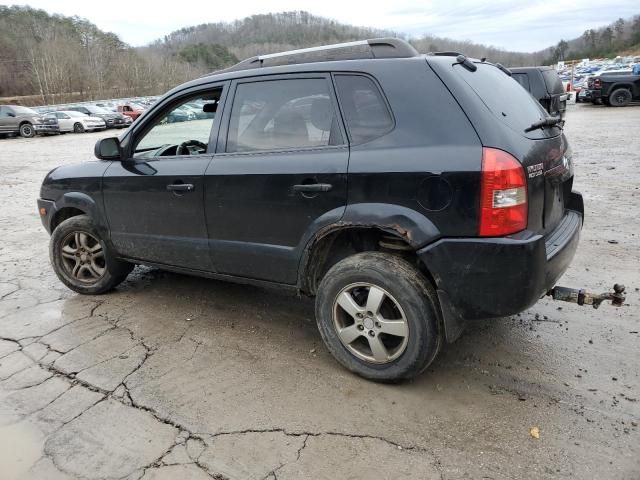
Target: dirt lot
179,377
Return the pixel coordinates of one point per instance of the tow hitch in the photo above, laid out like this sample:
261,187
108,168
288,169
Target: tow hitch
582,297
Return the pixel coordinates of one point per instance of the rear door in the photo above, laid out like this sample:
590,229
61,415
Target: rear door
280,173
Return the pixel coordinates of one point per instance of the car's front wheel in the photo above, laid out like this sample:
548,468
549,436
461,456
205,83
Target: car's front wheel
379,317
78,128
82,260
27,130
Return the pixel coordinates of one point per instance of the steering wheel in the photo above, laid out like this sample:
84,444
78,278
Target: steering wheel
191,147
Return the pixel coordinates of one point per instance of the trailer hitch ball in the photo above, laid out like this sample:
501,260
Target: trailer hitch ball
581,297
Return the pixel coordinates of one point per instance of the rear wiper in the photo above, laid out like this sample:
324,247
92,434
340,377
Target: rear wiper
547,122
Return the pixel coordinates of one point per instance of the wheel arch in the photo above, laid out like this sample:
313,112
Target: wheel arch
365,227
72,204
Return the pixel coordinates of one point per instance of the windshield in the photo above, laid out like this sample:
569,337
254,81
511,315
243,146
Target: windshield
73,113
504,97
24,111
136,106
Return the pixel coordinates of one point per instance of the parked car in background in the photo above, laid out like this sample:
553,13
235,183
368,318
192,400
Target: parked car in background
78,122
474,218
111,119
15,119
131,110
615,89
545,86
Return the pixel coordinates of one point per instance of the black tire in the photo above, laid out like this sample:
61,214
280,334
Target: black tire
27,130
620,97
418,307
78,128
113,271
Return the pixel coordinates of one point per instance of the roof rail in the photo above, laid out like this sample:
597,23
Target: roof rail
362,49
444,54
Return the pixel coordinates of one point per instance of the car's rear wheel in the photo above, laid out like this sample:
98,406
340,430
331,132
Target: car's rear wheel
78,128
379,317
620,97
82,260
27,130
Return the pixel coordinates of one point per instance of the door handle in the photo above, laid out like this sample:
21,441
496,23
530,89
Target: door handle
181,187
313,187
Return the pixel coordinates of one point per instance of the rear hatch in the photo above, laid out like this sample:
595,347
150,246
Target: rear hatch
555,90
543,152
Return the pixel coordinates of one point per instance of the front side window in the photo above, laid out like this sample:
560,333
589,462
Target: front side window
281,115
365,111
181,130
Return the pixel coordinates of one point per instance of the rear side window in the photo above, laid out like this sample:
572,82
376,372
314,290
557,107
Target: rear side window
281,115
552,81
503,96
365,111
522,79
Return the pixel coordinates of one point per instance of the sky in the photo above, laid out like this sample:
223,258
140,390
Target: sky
511,25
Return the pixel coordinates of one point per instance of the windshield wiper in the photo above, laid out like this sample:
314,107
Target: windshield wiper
547,122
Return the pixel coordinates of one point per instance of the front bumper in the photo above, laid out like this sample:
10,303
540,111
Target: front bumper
47,210
44,128
481,278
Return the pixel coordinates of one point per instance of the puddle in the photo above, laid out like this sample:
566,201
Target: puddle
20,448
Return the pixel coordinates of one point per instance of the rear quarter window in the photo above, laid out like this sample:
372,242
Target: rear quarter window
552,81
503,96
365,111
522,79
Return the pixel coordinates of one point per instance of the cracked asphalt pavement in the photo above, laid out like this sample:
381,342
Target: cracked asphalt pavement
174,377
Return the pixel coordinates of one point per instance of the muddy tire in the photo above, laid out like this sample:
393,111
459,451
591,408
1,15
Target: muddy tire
27,130
78,128
82,260
379,317
620,97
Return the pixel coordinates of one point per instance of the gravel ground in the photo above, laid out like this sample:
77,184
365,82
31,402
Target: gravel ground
179,377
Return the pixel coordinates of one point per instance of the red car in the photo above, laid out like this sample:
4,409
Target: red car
132,110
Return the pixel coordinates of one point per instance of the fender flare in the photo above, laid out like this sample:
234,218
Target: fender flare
405,223
86,204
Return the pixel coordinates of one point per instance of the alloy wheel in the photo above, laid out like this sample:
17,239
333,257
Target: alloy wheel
83,257
370,323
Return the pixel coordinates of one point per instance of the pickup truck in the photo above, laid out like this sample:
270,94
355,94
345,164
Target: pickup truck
614,90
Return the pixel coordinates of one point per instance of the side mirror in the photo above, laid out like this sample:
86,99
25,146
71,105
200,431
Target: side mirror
108,149
11,114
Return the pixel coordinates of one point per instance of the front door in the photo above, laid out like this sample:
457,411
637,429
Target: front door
154,198
280,174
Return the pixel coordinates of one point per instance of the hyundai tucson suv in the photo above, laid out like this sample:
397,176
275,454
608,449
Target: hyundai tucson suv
409,194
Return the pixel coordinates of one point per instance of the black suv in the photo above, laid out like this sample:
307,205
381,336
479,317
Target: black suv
407,193
545,86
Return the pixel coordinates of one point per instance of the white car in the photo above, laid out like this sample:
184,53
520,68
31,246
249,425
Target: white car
77,122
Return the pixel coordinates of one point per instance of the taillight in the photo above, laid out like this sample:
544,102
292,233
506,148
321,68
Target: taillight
503,194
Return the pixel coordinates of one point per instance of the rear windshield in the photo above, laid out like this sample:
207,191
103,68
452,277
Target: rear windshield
553,82
504,96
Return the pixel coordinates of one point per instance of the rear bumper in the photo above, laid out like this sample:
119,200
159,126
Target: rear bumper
493,277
